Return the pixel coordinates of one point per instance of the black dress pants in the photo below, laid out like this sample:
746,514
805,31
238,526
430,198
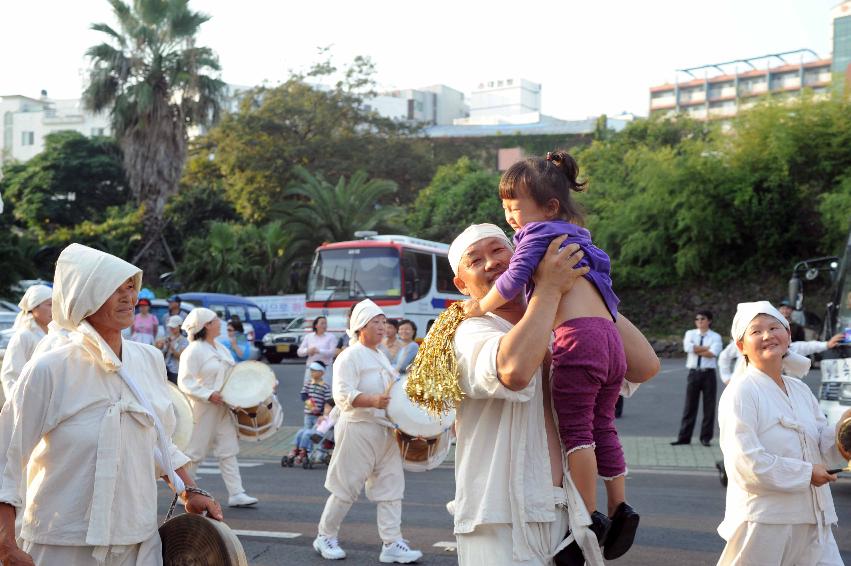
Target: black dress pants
700,381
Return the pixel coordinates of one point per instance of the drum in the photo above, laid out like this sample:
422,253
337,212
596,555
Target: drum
190,539
249,391
423,439
183,415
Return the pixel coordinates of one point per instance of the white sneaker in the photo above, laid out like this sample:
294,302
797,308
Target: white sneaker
328,548
399,552
241,500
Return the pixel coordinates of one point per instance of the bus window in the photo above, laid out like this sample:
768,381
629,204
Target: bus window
445,276
355,273
418,270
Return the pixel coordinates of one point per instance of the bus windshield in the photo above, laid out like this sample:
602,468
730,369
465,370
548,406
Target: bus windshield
355,273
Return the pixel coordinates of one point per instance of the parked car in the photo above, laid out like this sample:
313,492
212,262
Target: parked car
277,346
226,306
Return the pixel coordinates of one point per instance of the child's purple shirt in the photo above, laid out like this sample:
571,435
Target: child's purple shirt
530,245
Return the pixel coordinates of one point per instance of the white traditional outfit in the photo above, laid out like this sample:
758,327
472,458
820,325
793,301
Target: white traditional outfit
25,339
365,450
770,440
202,371
92,432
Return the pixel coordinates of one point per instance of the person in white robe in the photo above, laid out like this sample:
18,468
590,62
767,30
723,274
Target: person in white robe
365,452
204,365
777,448
513,498
30,327
88,431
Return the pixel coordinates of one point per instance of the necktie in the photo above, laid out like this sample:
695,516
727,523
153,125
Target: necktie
699,357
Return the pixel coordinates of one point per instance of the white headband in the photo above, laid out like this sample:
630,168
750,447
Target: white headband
196,319
473,234
363,312
794,365
34,296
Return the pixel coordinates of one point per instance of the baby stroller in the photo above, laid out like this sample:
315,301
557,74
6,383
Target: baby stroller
322,446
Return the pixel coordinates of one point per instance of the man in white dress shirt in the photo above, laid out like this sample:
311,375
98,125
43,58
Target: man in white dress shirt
703,346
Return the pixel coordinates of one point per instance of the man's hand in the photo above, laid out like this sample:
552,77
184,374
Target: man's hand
216,398
472,308
556,269
197,503
820,476
835,340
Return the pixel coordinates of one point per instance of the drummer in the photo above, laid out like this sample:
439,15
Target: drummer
201,375
91,423
30,327
366,452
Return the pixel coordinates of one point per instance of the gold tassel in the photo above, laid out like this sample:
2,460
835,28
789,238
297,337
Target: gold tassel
433,375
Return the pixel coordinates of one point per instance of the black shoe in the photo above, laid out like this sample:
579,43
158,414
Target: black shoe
572,554
622,533
722,472
706,443
680,442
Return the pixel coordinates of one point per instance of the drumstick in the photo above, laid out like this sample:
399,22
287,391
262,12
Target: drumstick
837,470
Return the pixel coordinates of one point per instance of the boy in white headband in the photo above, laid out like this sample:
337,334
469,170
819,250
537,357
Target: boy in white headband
366,453
317,403
777,449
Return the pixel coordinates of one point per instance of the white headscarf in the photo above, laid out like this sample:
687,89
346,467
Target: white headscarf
316,366
174,321
363,312
33,297
473,234
196,319
794,365
85,279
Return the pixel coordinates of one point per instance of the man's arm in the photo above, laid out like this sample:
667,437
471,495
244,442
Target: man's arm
522,350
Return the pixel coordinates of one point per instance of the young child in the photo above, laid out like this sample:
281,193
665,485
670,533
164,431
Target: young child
317,402
588,362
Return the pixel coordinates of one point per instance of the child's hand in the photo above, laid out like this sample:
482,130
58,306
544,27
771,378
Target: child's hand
472,308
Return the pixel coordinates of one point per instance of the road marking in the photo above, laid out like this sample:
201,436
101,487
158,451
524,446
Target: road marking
213,463
208,471
446,545
266,534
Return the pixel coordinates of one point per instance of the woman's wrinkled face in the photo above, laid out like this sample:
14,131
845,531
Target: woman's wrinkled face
372,334
766,340
406,332
43,313
118,311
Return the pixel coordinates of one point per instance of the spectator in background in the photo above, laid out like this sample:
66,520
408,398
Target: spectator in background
173,310
236,342
318,346
145,324
703,347
786,309
409,347
317,403
172,346
391,345
30,327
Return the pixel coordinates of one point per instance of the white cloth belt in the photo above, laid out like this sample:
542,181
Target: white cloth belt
812,455
106,468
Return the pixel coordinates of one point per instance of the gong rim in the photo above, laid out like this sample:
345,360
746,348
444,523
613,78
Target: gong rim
193,540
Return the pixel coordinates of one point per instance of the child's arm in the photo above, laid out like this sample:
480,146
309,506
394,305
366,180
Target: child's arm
489,303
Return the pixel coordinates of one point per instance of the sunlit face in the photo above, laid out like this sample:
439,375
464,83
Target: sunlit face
118,311
372,334
390,331
480,265
214,329
406,332
321,325
43,313
523,209
766,340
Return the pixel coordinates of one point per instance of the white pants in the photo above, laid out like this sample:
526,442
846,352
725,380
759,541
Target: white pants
366,454
146,553
491,544
215,428
760,544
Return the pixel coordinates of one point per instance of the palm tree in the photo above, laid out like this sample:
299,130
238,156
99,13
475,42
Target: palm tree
155,83
322,212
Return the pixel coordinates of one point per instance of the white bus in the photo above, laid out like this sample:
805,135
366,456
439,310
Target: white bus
407,277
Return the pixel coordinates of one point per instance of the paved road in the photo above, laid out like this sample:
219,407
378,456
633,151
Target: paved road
675,489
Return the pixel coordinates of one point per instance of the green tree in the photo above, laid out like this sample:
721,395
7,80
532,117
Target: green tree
460,194
155,82
326,130
317,211
73,178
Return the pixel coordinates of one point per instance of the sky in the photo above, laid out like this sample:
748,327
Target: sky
591,57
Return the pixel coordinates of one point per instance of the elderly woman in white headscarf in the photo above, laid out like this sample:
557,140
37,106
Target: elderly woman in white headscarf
90,425
365,452
30,327
777,449
204,365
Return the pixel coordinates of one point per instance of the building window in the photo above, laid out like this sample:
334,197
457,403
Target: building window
510,82
98,132
27,138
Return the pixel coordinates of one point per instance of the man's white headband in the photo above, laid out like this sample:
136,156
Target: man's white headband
473,234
